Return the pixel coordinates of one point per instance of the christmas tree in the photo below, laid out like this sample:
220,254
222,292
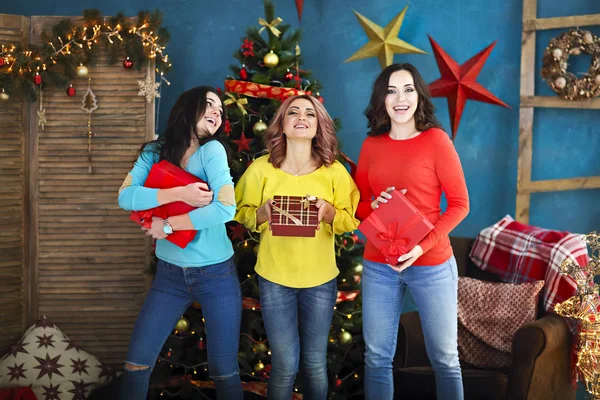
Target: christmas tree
268,70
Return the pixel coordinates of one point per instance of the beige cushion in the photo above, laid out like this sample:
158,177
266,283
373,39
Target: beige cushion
54,366
489,314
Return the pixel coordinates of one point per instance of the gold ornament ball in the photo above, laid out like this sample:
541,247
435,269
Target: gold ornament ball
82,71
587,38
4,96
259,128
557,53
255,248
271,59
260,348
182,325
560,82
345,337
259,367
597,79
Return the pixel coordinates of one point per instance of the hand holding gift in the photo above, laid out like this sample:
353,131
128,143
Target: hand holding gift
326,212
396,229
195,194
295,216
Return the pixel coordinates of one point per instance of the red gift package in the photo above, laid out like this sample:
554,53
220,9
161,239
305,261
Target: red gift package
294,216
395,228
164,175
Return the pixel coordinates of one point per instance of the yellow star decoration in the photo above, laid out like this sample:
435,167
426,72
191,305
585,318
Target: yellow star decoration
383,42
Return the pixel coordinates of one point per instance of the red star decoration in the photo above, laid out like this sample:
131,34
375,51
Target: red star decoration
243,143
457,82
48,366
17,372
238,231
299,6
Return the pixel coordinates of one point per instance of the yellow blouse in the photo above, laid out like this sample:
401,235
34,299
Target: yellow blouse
298,262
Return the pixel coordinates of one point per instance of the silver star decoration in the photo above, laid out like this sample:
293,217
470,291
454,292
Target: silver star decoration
41,118
149,88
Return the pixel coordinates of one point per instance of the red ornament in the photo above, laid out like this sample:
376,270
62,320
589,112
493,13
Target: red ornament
2,61
244,73
238,231
457,82
127,64
37,79
338,382
321,99
289,76
248,48
243,143
299,6
355,237
308,92
71,91
227,128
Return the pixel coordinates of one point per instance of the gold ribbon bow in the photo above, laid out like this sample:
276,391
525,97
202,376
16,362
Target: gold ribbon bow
271,25
239,102
306,200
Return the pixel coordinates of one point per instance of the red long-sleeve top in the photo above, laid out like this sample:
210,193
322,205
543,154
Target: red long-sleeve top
426,166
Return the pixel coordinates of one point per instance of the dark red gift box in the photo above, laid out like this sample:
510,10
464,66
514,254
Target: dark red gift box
294,216
396,227
164,175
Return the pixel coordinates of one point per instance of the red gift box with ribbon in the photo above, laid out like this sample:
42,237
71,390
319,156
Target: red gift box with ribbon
396,227
164,175
294,216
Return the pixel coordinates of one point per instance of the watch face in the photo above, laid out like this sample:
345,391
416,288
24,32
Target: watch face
167,228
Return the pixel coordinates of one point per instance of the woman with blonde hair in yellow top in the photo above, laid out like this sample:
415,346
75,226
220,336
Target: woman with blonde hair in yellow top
297,274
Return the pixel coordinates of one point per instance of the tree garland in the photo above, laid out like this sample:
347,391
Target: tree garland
68,47
555,62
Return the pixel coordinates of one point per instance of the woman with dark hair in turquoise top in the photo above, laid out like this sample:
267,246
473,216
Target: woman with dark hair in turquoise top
203,271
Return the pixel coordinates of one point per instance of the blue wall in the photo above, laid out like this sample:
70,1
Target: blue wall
566,142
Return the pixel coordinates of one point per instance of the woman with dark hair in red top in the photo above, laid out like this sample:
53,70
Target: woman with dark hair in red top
406,149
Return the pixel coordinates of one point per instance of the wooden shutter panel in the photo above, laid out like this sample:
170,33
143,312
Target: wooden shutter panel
14,268
90,257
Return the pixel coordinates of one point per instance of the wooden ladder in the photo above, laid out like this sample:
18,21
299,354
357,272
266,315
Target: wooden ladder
529,101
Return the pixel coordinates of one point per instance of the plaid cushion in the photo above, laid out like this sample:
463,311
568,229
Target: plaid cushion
520,253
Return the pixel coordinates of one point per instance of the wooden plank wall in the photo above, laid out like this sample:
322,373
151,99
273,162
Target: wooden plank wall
14,265
88,257
529,101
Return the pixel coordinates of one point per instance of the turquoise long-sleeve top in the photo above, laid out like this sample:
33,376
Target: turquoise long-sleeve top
211,244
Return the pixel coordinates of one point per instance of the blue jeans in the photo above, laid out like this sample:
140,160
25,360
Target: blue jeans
217,288
297,322
434,289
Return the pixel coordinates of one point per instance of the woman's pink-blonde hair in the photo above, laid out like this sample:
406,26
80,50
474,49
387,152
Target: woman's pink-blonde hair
324,144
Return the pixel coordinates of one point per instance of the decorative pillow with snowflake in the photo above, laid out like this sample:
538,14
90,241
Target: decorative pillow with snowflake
54,366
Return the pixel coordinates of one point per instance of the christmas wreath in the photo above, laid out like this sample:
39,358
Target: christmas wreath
555,62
